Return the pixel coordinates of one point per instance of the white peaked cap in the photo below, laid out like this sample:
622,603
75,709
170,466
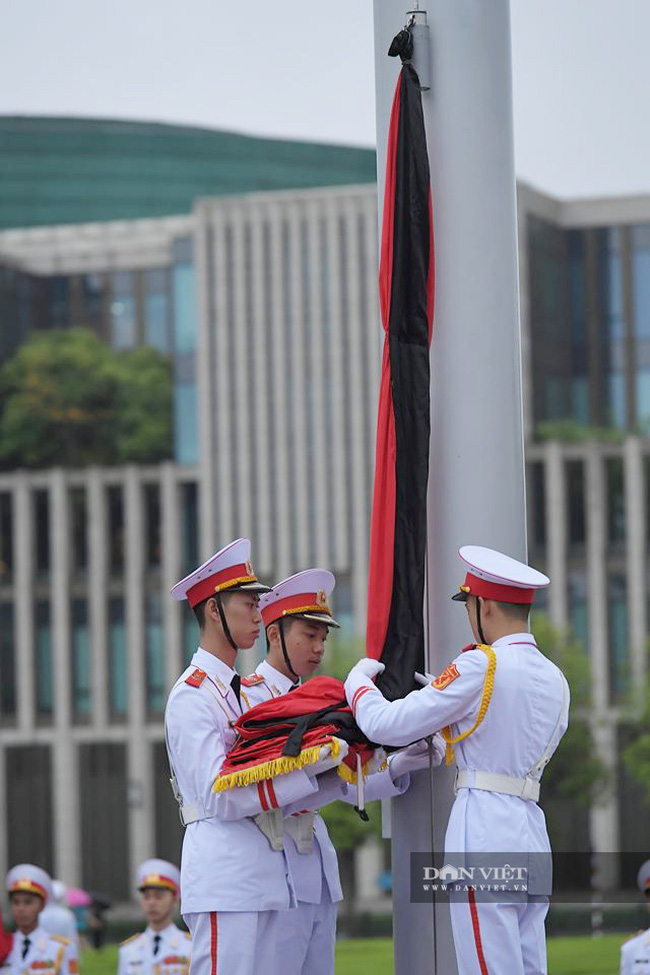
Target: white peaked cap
227,570
305,594
158,873
30,879
493,575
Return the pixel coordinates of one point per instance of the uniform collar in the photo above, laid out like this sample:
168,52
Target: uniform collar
165,934
35,938
516,639
281,681
213,666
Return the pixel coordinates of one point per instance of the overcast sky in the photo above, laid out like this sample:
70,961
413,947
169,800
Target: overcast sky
282,68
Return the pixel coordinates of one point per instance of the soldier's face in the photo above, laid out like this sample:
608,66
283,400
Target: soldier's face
158,906
243,618
25,908
305,642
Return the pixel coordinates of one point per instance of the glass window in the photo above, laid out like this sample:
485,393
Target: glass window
641,280
115,500
81,664
93,291
43,660
59,294
580,399
535,483
343,608
617,400
618,637
7,661
156,309
575,493
78,526
117,658
155,654
186,435
184,304
556,406
578,607
190,515
643,400
123,310
152,524
6,539
42,532
615,501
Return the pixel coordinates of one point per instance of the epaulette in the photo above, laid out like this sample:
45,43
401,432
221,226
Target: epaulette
252,680
470,646
128,941
60,939
196,678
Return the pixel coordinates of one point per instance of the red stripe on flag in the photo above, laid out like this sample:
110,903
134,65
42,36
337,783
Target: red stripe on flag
260,791
271,791
213,943
477,932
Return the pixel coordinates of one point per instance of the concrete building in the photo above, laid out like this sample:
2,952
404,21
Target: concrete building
265,298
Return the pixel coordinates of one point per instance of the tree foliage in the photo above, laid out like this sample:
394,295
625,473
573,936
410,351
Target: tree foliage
636,755
68,399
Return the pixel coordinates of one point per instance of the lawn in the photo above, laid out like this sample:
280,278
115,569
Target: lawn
567,956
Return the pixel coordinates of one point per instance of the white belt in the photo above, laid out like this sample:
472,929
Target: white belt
527,788
192,812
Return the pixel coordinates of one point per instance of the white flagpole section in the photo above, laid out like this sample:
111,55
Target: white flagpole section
476,481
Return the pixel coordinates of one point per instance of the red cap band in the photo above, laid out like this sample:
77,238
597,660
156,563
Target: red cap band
234,575
158,880
303,602
500,591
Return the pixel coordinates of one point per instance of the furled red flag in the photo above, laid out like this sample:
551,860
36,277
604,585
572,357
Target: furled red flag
288,732
6,942
398,538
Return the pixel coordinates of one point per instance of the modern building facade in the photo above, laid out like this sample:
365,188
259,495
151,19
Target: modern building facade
266,301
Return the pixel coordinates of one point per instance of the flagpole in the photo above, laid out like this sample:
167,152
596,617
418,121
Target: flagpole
476,480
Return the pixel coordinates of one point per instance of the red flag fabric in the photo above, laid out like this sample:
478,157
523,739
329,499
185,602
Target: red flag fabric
287,733
395,629
6,942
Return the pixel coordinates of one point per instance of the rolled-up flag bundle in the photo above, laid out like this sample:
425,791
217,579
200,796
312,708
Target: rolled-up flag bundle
288,732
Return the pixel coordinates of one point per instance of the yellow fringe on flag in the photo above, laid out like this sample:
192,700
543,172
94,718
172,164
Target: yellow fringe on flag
276,766
488,687
349,775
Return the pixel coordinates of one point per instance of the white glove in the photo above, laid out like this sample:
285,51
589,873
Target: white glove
326,760
361,675
416,756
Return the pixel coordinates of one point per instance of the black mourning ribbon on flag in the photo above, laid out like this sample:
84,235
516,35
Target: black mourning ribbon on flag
347,729
402,45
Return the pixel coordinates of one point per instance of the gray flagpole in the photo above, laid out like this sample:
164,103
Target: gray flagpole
476,480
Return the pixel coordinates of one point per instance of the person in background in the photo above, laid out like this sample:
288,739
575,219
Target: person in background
161,948
35,950
56,916
635,953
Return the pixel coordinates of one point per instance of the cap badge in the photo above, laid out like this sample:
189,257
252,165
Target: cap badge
321,598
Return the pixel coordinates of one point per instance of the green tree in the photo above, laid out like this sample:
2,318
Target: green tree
636,755
68,399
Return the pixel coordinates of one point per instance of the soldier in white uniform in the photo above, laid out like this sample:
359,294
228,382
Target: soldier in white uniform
35,950
162,948
635,953
297,618
504,706
232,881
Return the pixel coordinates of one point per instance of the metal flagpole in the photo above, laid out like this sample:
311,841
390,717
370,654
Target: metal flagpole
476,479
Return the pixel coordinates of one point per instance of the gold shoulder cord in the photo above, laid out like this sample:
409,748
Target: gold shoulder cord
488,687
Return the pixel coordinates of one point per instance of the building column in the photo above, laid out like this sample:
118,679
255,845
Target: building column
603,815
139,764
556,534
67,827
205,372
170,497
635,532
23,544
97,596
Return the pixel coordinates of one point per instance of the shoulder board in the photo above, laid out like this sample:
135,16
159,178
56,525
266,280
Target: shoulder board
128,941
470,646
196,678
60,939
252,680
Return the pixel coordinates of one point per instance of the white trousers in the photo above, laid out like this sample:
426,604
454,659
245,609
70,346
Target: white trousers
306,938
234,943
499,939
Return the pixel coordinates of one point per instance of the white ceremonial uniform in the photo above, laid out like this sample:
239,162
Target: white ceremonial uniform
232,882
58,919
635,955
142,955
47,954
307,933
526,717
